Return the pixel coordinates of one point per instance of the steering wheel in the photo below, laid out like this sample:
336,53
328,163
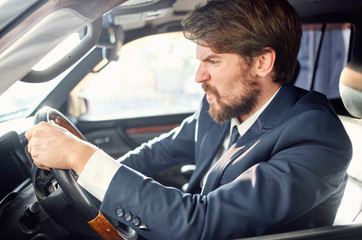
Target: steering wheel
78,198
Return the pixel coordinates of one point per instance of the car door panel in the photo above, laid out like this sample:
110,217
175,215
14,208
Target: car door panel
118,140
117,137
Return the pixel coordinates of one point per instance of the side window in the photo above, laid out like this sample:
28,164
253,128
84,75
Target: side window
156,75
153,76
333,48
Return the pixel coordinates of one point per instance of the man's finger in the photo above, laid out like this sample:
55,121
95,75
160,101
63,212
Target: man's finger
41,166
29,148
29,133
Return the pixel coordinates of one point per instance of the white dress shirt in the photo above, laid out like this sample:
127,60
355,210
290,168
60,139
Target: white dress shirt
101,168
242,129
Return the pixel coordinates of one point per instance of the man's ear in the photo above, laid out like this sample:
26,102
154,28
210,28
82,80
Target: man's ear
264,63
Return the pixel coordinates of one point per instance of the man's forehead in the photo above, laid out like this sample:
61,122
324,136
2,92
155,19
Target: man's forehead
203,49
204,53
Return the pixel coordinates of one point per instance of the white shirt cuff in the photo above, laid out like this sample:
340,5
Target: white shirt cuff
98,174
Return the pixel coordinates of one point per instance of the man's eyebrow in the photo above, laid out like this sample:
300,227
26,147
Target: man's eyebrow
209,57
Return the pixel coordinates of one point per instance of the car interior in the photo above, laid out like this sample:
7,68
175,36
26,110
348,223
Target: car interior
38,204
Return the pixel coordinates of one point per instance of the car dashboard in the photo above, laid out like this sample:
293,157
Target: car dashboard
15,164
21,215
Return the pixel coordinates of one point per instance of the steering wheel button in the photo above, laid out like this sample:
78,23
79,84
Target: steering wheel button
128,216
136,221
120,212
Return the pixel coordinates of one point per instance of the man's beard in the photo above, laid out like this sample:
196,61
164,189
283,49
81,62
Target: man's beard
238,106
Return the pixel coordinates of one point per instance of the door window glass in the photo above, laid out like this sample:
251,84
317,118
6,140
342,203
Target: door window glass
153,76
332,57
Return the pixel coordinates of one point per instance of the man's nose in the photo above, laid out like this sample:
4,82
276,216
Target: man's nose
202,74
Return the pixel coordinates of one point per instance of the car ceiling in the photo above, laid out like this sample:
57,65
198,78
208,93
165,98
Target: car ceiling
137,18
325,10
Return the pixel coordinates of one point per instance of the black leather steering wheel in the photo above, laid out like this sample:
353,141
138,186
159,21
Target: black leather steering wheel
74,193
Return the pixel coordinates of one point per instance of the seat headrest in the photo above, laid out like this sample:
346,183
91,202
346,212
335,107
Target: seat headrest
350,87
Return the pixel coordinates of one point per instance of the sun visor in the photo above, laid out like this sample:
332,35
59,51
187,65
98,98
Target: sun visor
36,35
36,43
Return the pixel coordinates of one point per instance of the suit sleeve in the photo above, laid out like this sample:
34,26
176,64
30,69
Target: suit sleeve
165,151
293,174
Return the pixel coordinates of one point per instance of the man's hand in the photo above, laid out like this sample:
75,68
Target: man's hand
52,146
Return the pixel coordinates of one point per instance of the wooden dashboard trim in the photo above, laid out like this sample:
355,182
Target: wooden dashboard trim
151,129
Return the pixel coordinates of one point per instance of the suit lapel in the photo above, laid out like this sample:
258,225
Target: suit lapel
253,135
208,148
271,116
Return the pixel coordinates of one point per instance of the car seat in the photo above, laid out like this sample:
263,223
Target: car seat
351,93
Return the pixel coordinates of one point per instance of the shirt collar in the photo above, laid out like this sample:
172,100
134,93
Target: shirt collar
244,126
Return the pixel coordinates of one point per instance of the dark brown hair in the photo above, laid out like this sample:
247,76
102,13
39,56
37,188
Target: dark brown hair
249,28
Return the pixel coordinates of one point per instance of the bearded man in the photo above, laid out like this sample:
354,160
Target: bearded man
286,170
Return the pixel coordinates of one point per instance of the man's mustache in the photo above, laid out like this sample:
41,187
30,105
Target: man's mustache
209,89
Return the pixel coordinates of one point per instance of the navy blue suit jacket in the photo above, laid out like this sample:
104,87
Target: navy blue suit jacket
287,172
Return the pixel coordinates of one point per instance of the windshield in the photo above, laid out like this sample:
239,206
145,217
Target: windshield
21,98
